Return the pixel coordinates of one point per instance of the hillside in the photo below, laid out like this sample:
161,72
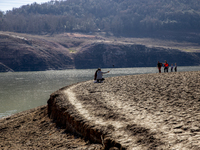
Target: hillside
25,52
19,53
134,18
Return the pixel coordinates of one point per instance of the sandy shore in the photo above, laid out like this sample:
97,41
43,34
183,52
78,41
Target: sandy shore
149,111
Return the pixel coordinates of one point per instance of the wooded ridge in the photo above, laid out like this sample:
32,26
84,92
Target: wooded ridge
118,17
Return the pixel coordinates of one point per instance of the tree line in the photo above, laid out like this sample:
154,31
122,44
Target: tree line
120,17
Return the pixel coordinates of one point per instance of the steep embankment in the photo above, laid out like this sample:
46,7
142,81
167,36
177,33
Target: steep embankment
131,55
22,52
152,111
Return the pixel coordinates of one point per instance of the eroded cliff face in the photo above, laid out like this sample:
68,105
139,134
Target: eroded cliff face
131,55
20,53
65,115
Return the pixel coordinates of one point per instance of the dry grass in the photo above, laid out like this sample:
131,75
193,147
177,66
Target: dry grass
76,40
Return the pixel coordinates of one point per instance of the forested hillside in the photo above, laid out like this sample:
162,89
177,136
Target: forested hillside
120,17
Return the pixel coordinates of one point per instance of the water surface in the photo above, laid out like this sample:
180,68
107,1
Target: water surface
21,91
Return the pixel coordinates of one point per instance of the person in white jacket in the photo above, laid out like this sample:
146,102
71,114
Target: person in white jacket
99,76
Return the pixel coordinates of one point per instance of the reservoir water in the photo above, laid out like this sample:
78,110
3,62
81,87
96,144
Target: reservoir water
21,91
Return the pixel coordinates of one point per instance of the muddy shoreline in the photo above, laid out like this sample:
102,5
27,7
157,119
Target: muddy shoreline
149,111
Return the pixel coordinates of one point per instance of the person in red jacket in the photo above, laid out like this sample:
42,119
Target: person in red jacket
166,66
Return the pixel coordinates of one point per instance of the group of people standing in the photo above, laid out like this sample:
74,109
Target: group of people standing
98,76
166,66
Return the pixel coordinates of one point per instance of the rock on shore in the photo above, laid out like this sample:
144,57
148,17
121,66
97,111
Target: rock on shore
149,111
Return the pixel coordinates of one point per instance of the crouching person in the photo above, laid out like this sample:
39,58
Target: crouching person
99,75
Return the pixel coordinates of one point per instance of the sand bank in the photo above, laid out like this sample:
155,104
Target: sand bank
33,129
149,111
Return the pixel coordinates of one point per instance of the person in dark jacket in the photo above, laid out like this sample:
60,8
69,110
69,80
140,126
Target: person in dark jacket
159,65
175,67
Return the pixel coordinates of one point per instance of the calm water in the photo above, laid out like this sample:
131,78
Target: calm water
21,91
